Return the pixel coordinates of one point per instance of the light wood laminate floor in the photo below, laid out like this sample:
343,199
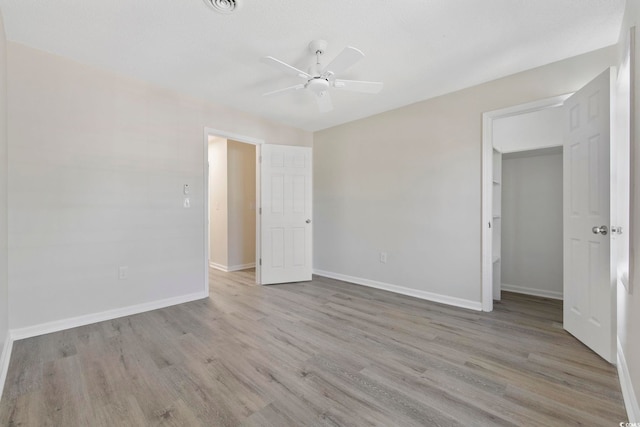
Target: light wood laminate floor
323,353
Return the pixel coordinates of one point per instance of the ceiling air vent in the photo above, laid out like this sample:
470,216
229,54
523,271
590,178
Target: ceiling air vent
224,6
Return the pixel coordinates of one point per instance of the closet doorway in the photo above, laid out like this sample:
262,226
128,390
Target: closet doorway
523,237
527,199
531,250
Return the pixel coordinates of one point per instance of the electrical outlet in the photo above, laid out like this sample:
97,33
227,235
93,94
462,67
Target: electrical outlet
123,272
383,257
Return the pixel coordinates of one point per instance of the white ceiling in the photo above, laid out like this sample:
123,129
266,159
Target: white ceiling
418,48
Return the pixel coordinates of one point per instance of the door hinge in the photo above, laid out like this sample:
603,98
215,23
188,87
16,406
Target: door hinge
489,224
260,211
260,262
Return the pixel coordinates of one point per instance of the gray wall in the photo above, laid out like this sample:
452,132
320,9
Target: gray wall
532,222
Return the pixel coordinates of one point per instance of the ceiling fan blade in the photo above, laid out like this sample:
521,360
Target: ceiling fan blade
283,66
286,89
324,102
344,60
358,86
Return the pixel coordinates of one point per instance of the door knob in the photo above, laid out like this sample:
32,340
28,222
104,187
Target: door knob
600,230
308,221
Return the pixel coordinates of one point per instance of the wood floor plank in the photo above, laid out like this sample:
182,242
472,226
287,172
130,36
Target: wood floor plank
319,353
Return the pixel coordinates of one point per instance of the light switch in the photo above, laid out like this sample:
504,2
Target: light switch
186,189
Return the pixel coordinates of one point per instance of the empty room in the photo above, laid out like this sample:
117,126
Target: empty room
303,213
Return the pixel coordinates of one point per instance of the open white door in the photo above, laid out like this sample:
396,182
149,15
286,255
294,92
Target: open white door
286,229
589,286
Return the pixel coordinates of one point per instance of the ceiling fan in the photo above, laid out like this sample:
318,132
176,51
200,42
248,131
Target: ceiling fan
320,80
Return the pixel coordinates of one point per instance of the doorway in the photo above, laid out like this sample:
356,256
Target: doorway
232,189
232,204
527,203
282,209
531,249
520,129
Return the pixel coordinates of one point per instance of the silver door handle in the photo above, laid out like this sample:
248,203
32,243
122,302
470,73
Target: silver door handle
600,230
308,221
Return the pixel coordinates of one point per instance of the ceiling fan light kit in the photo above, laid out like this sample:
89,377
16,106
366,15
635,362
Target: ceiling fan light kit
320,80
318,85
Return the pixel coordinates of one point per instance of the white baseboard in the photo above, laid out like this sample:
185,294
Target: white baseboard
4,361
628,393
73,322
241,266
429,296
532,291
228,269
218,266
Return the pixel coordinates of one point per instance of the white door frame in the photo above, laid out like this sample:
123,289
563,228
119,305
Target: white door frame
247,140
487,185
